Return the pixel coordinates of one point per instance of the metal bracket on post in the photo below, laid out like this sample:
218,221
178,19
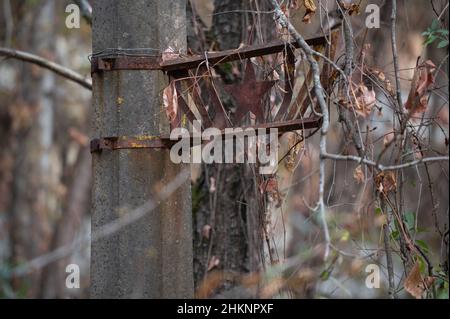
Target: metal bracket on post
161,142
247,94
124,62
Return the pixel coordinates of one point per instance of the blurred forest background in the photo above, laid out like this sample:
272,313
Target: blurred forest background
252,237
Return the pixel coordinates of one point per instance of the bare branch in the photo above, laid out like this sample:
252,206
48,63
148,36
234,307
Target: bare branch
387,249
47,64
349,48
394,54
381,167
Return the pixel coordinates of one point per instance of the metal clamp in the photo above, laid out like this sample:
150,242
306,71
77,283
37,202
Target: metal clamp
164,142
130,142
112,63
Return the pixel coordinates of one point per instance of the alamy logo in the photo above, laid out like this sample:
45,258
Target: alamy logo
73,17
373,278
73,279
373,19
235,145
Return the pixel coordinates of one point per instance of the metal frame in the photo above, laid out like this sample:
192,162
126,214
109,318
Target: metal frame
178,69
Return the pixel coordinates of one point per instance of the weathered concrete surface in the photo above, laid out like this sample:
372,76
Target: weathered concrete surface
153,257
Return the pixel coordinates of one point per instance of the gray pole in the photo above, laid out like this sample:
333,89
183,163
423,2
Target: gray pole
151,258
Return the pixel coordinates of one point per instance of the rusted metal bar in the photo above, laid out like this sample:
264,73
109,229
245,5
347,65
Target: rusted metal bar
125,62
162,142
236,54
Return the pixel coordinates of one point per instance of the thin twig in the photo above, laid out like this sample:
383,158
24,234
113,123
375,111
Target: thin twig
387,249
395,56
343,114
381,167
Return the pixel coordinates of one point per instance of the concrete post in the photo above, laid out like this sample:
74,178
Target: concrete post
153,257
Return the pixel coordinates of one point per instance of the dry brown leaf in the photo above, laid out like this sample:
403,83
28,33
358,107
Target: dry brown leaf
362,99
351,8
310,10
386,182
272,288
415,284
365,100
422,80
270,186
213,281
358,174
170,101
295,145
382,78
388,138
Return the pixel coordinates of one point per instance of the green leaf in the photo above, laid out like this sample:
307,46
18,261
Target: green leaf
410,220
378,211
435,24
325,275
395,234
430,39
420,230
422,264
442,44
423,245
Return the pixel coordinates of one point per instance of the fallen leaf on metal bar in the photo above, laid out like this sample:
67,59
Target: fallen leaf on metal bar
170,101
169,54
